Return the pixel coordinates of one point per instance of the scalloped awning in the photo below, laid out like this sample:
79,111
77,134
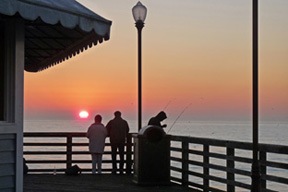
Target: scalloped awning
55,30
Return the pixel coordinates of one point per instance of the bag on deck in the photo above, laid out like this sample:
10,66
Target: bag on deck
74,170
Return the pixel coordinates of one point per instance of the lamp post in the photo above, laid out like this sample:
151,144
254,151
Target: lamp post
255,164
139,12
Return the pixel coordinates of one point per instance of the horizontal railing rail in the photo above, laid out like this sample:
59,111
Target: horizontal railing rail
219,165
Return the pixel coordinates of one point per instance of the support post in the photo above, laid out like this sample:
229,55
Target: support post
263,168
231,166
129,154
69,152
185,165
255,165
206,168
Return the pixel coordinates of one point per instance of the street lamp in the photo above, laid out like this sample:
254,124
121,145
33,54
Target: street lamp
139,12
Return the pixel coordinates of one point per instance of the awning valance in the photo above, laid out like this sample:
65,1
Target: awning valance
55,30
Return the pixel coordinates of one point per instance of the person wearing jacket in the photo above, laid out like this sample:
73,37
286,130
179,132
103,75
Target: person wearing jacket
118,130
157,119
96,134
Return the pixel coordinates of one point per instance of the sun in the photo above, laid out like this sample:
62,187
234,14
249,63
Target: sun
83,114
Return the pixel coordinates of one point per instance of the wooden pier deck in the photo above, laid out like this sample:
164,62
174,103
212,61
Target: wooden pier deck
88,182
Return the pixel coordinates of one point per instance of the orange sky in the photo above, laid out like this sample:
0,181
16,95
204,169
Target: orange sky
194,52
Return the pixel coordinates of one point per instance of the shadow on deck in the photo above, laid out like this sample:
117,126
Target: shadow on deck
87,182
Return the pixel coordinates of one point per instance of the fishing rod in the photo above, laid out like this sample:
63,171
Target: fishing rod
179,117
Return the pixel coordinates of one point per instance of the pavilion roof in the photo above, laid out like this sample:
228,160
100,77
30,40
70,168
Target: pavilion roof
55,30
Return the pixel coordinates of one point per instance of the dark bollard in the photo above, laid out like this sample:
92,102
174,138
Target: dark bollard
152,157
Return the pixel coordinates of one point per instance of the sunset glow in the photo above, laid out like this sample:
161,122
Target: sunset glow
201,54
83,114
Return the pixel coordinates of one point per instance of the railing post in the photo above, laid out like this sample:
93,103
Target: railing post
263,168
129,154
230,165
206,168
69,151
185,165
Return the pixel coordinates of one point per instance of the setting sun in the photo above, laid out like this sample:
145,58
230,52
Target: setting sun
83,114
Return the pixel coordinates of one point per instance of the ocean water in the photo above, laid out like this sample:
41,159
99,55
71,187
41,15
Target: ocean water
269,133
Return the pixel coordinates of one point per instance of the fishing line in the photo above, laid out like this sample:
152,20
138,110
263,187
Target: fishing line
179,116
169,102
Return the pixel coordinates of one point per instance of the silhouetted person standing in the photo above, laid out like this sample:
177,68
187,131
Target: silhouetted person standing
118,130
96,134
157,119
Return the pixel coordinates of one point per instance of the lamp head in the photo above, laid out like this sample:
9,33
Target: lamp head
139,12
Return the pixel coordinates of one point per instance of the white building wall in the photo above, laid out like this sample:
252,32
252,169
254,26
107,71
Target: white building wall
11,128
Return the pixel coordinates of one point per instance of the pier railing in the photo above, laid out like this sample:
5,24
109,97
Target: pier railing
219,165
48,152
199,163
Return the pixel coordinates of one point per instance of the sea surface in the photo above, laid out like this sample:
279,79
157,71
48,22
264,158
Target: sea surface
269,133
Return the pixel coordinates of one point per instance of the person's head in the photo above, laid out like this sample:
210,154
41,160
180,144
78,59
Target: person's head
98,119
117,114
161,116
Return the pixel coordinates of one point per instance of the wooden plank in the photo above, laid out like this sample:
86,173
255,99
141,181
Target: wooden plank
279,149
230,164
63,152
275,179
88,182
7,137
214,142
44,153
7,169
7,157
185,165
54,134
7,145
128,153
274,164
178,159
263,168
7,182
45,144
268,190
206,170
176,149
221,180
